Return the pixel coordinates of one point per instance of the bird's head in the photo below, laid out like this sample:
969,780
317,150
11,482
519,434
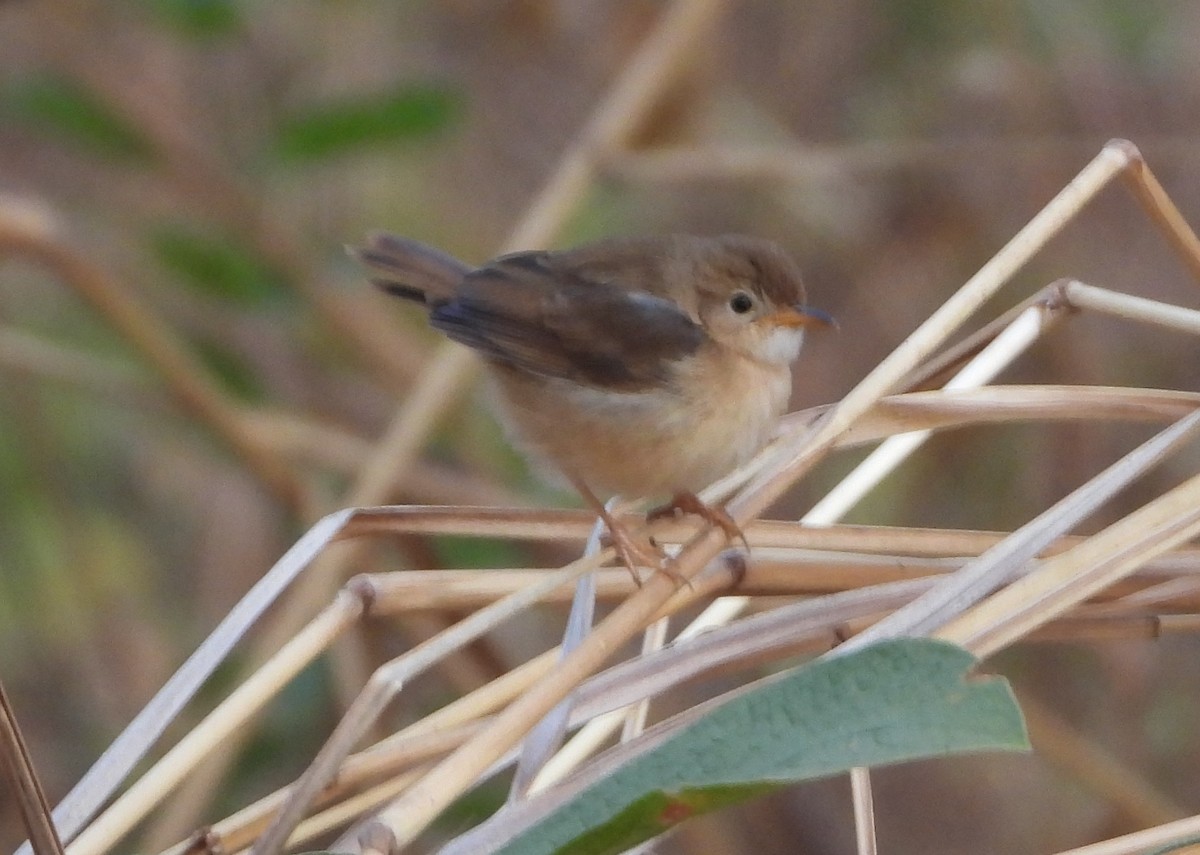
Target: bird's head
750,298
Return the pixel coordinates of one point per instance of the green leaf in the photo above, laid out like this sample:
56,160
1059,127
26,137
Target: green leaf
887,703
412,112
203,19
61,109
216,266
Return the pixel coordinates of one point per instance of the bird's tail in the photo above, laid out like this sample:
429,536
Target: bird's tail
410,269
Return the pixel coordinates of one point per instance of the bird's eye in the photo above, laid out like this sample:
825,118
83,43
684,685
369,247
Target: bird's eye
741,302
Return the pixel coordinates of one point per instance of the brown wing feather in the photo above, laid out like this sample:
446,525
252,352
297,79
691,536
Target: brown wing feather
539,312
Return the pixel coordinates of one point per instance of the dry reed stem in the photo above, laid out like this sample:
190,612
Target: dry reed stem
547,735
636,715
932,373
809,165
863,802
148,334
106,774
25,353
1129,307
203,178
387,680
1069,578
1141,842
777,573
1163,595
1000,563
573,525
484,700
345,812
1088,762
217,727
345,796
1001,352
23,783
630,719
1009,404
1161,210
800,453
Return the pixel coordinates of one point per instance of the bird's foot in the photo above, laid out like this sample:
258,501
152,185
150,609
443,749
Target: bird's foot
634,552
631,551
690,503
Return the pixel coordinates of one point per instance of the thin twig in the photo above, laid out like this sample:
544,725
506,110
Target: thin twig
1140,841
864,811
23,782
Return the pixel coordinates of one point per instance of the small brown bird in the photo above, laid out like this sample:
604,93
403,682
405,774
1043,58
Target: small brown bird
641,367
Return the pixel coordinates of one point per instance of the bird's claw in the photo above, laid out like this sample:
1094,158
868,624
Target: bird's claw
634,553
690,503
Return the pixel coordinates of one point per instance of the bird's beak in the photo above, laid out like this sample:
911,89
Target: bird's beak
801,316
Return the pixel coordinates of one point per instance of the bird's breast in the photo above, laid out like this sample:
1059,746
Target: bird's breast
717,413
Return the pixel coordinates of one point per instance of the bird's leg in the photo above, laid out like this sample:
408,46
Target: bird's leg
632,553
690,503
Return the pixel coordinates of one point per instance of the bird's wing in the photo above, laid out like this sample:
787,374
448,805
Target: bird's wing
540,313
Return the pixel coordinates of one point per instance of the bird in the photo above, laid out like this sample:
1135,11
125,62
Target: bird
639,367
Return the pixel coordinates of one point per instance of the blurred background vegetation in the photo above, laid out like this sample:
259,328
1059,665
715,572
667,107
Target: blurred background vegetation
205,161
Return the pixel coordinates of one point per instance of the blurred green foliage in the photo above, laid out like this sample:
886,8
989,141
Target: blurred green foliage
65,111
412,111
217,266
233,371
202,19
476,552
